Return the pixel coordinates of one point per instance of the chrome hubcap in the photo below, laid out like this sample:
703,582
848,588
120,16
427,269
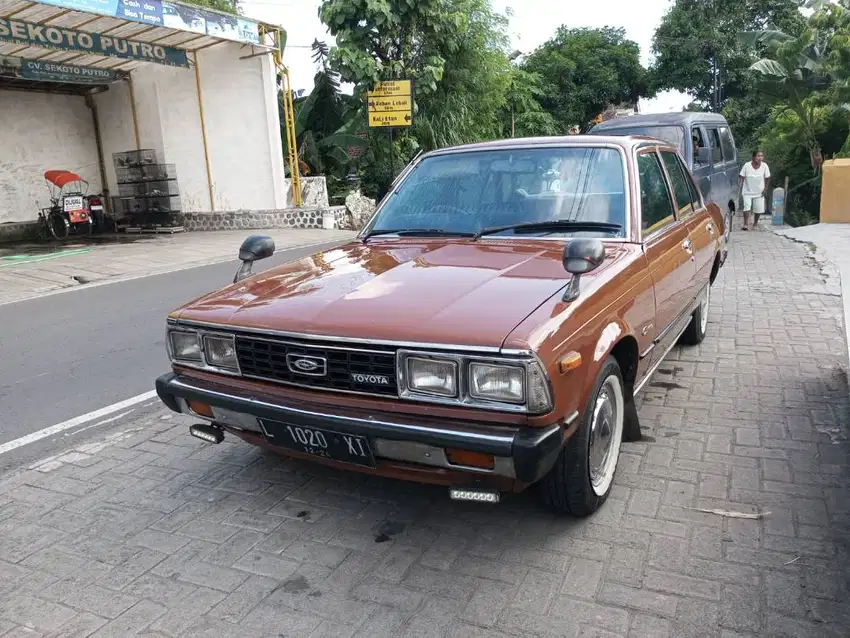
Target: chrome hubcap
703,310
606,431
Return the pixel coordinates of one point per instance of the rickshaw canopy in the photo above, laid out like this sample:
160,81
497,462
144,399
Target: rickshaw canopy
62,178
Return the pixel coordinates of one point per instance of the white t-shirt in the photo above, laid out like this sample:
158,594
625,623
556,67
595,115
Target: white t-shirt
754,179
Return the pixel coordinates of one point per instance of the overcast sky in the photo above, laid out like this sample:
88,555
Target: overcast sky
533,22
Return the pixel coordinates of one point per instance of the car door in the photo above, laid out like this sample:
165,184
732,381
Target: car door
693,213
721,190
701,169
666,243
730,153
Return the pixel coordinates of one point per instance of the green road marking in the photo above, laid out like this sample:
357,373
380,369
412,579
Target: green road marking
17,260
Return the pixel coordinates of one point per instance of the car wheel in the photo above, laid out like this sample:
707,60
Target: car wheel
582,477
695,332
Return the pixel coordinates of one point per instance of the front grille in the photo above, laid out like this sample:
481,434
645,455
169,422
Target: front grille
348,368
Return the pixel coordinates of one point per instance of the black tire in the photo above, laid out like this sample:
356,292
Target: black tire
58,225
694,334
568,487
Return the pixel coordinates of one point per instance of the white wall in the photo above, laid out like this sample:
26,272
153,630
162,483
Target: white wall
243,134
40,132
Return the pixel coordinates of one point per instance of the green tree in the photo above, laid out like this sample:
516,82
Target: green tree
696,45
325,126
454,51
523,116
584,71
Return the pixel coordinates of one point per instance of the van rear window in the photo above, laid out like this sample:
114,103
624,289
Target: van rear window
670,134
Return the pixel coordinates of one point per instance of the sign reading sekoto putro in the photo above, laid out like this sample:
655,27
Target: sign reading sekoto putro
39,35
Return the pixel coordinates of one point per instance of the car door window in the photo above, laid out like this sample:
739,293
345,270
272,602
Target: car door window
698,143
716,146
696,200
727,142
681,192
655,203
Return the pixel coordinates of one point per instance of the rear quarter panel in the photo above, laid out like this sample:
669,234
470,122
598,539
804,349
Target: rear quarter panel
613,307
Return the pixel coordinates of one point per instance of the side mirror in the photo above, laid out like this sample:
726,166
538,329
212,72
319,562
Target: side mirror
252,249
581,256
704,155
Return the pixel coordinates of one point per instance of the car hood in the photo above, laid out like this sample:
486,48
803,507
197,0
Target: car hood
441,292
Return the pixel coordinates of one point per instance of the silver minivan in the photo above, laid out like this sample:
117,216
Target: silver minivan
705,142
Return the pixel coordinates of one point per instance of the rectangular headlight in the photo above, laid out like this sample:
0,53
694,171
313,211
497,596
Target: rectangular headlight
185,346
493,382
220,352
432,376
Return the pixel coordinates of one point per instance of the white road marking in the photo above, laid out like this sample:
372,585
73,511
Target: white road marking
75,422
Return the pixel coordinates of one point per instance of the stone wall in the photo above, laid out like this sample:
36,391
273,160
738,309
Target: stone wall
286,218
18,231
314,192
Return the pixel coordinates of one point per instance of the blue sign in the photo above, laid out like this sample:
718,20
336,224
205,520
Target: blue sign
146,11
170,14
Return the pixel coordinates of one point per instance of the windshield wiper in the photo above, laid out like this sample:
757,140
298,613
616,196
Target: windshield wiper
418,232
553,225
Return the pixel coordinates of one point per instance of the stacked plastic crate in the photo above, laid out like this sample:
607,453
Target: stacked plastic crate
149,197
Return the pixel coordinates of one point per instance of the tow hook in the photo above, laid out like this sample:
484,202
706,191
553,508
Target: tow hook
208,433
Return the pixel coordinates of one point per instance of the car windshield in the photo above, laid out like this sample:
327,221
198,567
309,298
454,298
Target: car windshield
671,134
477,191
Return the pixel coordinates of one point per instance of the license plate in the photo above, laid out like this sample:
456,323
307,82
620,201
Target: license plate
347,448
74,202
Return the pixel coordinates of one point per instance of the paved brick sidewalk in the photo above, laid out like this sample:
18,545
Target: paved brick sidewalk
154,532
131,256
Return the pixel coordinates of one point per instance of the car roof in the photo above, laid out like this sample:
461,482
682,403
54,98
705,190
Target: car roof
683,118
627,142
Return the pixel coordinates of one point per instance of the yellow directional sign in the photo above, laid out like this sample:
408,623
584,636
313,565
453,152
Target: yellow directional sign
379,104
391,88
390,104
390,118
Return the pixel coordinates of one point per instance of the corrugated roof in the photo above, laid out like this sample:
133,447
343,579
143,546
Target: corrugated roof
49,15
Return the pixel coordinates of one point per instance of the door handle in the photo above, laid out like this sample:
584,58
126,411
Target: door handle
687,245
710,227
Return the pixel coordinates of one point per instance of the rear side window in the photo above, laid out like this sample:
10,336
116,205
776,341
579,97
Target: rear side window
728,143
716,146
655,205
698,143
679,181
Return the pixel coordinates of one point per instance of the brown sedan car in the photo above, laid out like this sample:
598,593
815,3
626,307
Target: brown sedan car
488,329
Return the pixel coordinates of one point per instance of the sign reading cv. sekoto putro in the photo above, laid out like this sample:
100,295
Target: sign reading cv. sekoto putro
390,103
55,71
47,37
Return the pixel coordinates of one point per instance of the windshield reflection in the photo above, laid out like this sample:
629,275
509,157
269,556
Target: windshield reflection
470,191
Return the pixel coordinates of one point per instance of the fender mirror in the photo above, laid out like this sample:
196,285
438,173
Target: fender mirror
252,249
581,256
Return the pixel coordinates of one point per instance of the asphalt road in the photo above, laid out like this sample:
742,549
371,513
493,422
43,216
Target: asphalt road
65,355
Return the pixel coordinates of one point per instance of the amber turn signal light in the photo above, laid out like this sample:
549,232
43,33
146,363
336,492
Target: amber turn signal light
571,361
470,459
201,409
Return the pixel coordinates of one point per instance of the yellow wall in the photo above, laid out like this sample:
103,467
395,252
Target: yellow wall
835,198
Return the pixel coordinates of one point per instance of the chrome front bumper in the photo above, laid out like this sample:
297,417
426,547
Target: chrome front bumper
521,453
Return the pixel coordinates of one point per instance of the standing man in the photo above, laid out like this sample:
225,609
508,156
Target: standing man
753,183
